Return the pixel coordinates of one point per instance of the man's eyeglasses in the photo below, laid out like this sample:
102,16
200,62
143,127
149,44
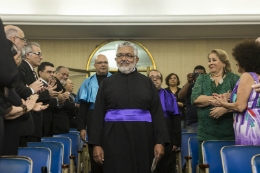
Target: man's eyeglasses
127,56
155,77
100,62
23,39
37,53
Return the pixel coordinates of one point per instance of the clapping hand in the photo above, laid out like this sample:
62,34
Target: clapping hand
256,87
39,107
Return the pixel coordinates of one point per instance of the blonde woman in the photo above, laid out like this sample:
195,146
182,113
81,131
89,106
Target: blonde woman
215,123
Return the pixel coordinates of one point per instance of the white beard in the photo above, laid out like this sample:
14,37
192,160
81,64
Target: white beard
126,70
63,82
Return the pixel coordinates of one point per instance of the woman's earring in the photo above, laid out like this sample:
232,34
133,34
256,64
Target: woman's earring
224,69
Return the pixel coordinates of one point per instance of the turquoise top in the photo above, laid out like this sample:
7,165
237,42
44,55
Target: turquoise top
88,90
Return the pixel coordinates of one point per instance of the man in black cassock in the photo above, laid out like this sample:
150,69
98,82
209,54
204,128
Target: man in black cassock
86,97
128,127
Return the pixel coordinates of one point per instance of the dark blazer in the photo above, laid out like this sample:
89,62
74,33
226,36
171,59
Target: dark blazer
176,122
47,129
27,124
44,97
61,120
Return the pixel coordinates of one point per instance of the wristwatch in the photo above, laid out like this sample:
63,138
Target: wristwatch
24,108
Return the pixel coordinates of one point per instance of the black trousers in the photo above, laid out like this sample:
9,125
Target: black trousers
11,136
95,168
24,139
167,163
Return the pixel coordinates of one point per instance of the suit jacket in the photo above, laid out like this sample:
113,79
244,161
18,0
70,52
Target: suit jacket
44,97
8,70
47,129
61,119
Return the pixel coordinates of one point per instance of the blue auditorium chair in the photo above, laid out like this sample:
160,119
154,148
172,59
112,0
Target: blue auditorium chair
211,155
40,156
255,163
67,158
192,160
75,138
237,159
180,154
73,130
15,164
57,152
183,130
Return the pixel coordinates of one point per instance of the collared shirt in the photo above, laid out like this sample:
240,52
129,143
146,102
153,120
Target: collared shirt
32,70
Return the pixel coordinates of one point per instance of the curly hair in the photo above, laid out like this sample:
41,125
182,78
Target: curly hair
223,57
168,78
247,54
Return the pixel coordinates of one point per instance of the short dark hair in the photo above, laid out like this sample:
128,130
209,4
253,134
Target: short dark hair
42,66
199,67
157,71
247,54
168,78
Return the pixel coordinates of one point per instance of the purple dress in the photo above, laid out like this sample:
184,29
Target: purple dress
247,123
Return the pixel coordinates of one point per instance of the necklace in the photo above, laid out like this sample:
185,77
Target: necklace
220,81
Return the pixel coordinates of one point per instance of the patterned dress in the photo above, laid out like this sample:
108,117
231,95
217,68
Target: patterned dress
247,123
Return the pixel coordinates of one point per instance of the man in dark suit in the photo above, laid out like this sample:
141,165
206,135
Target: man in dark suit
73,116
16,35
31,59
45,73
61,123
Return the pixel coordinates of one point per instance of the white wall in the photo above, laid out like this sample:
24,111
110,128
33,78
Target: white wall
129,7
95,12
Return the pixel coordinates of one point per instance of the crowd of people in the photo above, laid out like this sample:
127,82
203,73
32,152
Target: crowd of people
132,122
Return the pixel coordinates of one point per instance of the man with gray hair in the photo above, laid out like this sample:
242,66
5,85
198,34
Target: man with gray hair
128,128
32,57
16,35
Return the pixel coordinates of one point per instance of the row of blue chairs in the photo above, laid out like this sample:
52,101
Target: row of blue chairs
54,154
218,156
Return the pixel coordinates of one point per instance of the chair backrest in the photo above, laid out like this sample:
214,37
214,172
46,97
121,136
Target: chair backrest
237,159
193,145
14,164
80,141
255,163
57,151
184,145
39,155
67,146
183,130
73,130
75,138
211,154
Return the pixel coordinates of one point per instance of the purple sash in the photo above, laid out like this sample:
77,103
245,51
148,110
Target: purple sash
128,115
169,104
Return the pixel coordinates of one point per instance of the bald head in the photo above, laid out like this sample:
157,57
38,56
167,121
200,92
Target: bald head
16,35
258,40
69,85
101,64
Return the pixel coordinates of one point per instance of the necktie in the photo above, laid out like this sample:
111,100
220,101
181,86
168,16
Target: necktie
34,73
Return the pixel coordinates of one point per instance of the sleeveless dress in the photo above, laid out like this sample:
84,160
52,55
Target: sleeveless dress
247,123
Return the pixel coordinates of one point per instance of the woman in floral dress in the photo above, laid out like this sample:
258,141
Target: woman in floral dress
245,100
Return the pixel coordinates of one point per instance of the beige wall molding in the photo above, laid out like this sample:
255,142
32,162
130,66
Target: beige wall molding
34,19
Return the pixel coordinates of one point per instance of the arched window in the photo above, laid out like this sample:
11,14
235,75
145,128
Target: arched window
145,64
